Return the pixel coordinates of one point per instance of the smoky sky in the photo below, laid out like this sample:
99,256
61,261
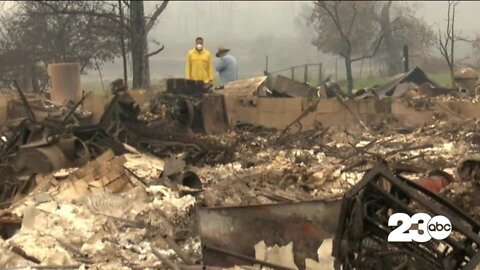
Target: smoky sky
255,30
230,20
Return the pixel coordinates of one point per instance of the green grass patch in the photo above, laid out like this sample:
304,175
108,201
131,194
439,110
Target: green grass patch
442,79
364,82
94,87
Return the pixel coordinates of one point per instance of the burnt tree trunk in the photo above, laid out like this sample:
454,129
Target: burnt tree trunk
452,48
348,68
146,71
138,39
122,44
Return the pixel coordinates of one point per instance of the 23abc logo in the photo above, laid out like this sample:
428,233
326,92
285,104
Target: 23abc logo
438,227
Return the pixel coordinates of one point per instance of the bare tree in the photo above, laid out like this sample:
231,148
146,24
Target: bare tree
123,47
139,29
346,28
34,35
136,28
446,39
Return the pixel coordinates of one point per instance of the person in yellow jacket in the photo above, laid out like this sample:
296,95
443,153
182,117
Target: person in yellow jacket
199,63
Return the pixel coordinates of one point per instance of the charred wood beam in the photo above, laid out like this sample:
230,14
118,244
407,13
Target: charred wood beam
29,110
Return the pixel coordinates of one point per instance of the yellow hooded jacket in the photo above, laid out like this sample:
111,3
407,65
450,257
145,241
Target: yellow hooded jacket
199,66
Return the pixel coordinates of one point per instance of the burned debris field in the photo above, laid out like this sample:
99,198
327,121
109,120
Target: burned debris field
184,177
295,135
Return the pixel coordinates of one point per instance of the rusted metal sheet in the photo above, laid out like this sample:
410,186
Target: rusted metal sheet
239,229
290,88
213,113
247,87
416,76
268,112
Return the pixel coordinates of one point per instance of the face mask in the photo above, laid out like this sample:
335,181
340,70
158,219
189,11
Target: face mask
199,47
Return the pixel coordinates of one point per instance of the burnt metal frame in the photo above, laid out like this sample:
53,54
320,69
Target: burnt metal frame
431,201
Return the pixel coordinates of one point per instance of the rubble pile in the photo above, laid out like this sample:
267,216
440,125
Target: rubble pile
338,154
73,220
123,194
264,172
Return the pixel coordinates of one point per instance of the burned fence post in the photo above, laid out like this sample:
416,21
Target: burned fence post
305,74
266,64
293,73
31,115
405,57
320,75
336,69
269,76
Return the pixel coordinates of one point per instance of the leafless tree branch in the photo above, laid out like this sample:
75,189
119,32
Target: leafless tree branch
464,39
352,22
372,54
55,10
111,16
156,52
155,16
336,20
446,41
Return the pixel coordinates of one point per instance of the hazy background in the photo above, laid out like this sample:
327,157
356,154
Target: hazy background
257,29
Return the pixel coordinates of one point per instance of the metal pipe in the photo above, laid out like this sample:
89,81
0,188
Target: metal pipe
245,258
188,179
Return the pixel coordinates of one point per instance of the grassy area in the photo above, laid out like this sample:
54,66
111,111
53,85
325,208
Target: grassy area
95,87
442,79
364,82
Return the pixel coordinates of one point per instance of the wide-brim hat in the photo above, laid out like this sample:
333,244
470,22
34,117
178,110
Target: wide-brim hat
220,50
